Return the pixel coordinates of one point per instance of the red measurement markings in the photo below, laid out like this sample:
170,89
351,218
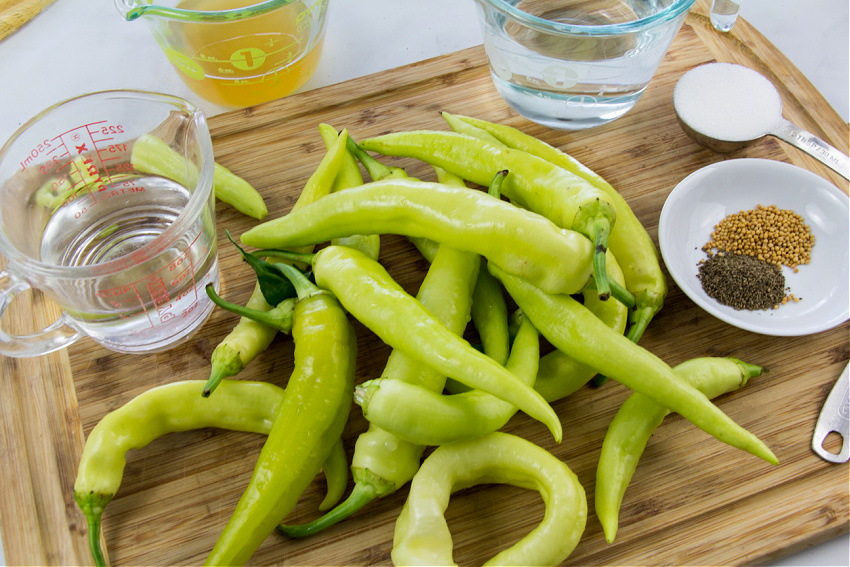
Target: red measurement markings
78,143
160,287
160,298
101,133
125,299
53,162
116,165
57,145
117,191
120,153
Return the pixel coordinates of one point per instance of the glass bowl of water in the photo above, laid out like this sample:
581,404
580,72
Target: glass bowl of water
575,64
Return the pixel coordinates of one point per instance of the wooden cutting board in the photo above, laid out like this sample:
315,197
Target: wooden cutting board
693,499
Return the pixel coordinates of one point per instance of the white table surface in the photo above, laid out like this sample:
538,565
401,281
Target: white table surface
79,46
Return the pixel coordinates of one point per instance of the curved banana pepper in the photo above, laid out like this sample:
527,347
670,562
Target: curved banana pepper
239,406
422,536
153,155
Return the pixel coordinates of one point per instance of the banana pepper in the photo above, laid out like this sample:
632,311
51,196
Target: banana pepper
307,425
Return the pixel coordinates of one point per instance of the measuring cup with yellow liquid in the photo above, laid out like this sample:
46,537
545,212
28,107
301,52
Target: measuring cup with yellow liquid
237,53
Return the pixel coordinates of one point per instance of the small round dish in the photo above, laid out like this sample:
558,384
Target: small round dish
708,195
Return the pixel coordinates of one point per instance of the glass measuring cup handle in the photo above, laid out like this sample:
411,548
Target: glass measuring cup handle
54,337
814,146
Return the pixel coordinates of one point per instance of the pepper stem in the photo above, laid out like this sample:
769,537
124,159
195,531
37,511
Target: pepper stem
360,496
303,286
495,189
376,169
287,255
599,232
280,317
748,370
595,220
226,362
92,506
621,294
640,321
94,542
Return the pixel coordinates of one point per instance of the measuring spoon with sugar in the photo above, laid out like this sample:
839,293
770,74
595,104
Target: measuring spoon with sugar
724,107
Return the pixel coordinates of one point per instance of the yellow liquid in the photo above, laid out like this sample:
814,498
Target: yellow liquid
248,61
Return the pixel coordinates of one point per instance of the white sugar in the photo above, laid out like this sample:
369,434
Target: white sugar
727,102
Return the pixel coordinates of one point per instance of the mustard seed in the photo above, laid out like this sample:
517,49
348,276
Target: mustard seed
746,252
778,236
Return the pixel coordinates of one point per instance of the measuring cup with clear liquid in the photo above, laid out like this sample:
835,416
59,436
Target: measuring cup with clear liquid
125,254
236,53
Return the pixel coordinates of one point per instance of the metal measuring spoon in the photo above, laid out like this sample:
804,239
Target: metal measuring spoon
724,107
835,417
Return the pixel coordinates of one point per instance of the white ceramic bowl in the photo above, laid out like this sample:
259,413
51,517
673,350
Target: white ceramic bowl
708,195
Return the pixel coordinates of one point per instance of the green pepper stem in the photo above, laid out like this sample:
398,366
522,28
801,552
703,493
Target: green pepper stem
92,504
607,287
225,361
362,392
279,317
495,188
360,496
286,255
303,286
748,370
621,294
600,270
94,541
640,321
375,168
221,370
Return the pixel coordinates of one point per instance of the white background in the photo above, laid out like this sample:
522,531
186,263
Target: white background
78,46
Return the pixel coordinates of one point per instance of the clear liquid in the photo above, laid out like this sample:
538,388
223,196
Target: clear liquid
158,299
575,82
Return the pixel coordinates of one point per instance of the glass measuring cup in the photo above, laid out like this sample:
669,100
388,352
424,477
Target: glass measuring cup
575,64
125,254
237,52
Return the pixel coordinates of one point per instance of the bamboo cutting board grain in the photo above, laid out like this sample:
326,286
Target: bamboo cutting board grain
693,500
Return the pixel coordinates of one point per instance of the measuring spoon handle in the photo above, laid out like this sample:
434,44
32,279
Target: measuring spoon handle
814,146
835,417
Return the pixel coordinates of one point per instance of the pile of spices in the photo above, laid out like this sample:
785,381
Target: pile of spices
746,253
778,236
743,282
